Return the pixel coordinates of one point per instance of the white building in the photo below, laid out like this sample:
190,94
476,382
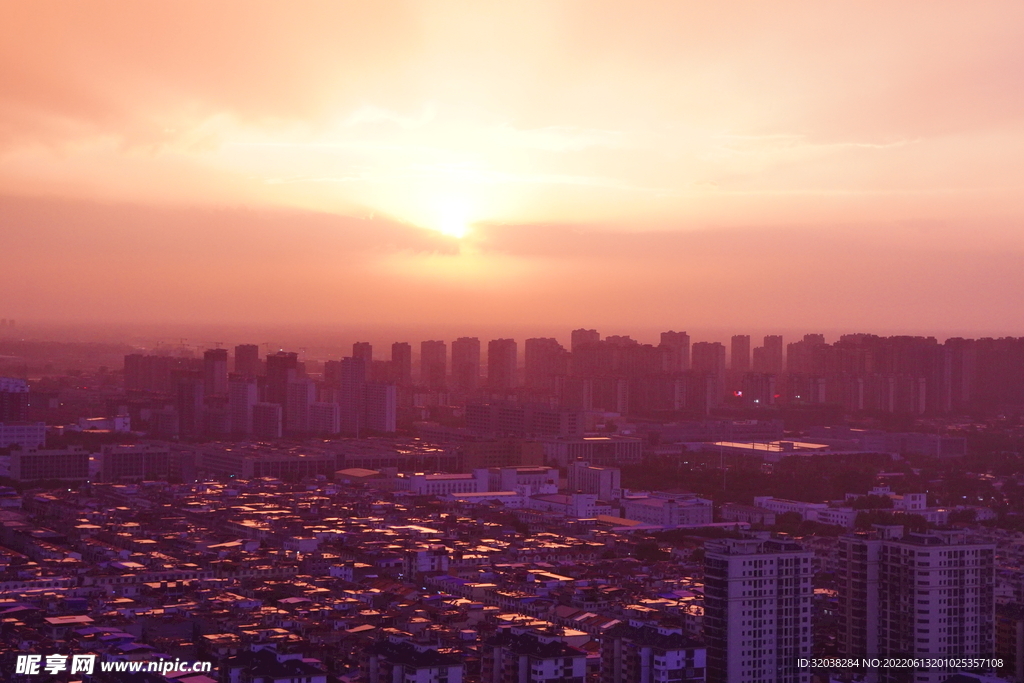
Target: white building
757,610
442,484
606,482
243,394
844,517
324,418
508,499
380,407
578,505
399,658
23,434
301,395
669,510
528,480
916,595
596,450
638,652
807,511
13,385
267,420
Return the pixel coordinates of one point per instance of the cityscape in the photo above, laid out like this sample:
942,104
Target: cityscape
611,511
550,341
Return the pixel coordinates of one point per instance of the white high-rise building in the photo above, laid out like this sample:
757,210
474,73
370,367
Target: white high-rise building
243,394
301,395
916,595
267,420
757,610
324,418
380,405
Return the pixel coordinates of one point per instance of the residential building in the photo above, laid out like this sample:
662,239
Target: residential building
757,610
434,365
466,364
546,364
401,359
243,394
678,344
324,419
301,395
916,595
215,372
403,660
521,655
247,360
502,365
636,652
267,420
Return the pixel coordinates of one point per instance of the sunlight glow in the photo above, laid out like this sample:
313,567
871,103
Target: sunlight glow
452,217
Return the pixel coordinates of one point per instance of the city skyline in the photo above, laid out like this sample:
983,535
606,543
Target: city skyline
422,163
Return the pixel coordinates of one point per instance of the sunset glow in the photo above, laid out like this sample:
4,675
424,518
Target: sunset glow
763,155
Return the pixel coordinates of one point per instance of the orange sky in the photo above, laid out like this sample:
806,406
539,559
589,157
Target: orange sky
750,165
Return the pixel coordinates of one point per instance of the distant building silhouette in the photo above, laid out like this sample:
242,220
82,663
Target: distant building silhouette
434,365
247,360
679,345
401,359
466,364
502,364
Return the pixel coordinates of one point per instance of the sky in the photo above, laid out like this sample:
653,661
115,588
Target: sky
750,166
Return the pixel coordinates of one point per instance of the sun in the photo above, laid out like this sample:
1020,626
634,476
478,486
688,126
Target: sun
452,217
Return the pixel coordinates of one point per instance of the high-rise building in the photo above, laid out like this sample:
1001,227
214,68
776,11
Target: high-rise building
582,337
13,395
740,360
247,360
282,368
926,595
363,350
267,422
350,397
679,345
155,373
546,361
380,407
243,394
215,372
324,419
401,359
1010,640
757,610
434,364
301,395
466,364
502,364
709,358
769,358
190,403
